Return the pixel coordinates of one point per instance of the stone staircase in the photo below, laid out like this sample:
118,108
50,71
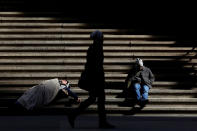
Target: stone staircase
36,46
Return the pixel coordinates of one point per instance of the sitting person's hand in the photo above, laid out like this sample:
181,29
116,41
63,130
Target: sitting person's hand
138,79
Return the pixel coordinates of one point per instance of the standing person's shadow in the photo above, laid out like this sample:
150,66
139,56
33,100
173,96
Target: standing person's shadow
93,80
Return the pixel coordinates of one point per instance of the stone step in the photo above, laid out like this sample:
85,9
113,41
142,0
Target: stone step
154,108
77,75
110,76
132,43
37,13
64,54
178,102
56,31
153,91
74,28
61,60
39,19
51,74
160,85
77,68
147,111
46,25
11,92
152,95
45,54
187,71
18,13
105,48
76,36
112,101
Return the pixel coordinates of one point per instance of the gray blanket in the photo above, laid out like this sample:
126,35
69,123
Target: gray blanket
40,95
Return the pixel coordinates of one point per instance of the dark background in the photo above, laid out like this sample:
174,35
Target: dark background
176,18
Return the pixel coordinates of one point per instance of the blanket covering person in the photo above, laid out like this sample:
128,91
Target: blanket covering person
39,95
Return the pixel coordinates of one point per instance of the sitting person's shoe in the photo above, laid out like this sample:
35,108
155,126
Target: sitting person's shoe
138,102
106,125
146,102
143,103
71,120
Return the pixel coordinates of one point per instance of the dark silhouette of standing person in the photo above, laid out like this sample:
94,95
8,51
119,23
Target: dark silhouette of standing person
93,80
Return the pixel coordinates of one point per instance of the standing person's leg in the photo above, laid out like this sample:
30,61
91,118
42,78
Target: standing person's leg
72,116
145,90
137,88
91,99
101,111
101,107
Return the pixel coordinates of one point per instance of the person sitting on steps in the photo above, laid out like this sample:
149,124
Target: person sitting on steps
141,80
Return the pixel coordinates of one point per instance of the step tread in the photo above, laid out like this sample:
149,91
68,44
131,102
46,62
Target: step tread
78,90
156,83
33,24
148,107
81,42
105,48
75,36
106,54
60,30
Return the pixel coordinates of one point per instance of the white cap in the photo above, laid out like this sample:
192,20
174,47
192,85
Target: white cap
139,62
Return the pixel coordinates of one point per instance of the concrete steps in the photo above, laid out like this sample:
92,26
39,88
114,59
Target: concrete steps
36,46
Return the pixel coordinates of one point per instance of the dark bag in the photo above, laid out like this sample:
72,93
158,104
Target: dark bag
84,81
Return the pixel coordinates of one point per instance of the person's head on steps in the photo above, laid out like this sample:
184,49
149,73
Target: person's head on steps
97,36
64,81
139,63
